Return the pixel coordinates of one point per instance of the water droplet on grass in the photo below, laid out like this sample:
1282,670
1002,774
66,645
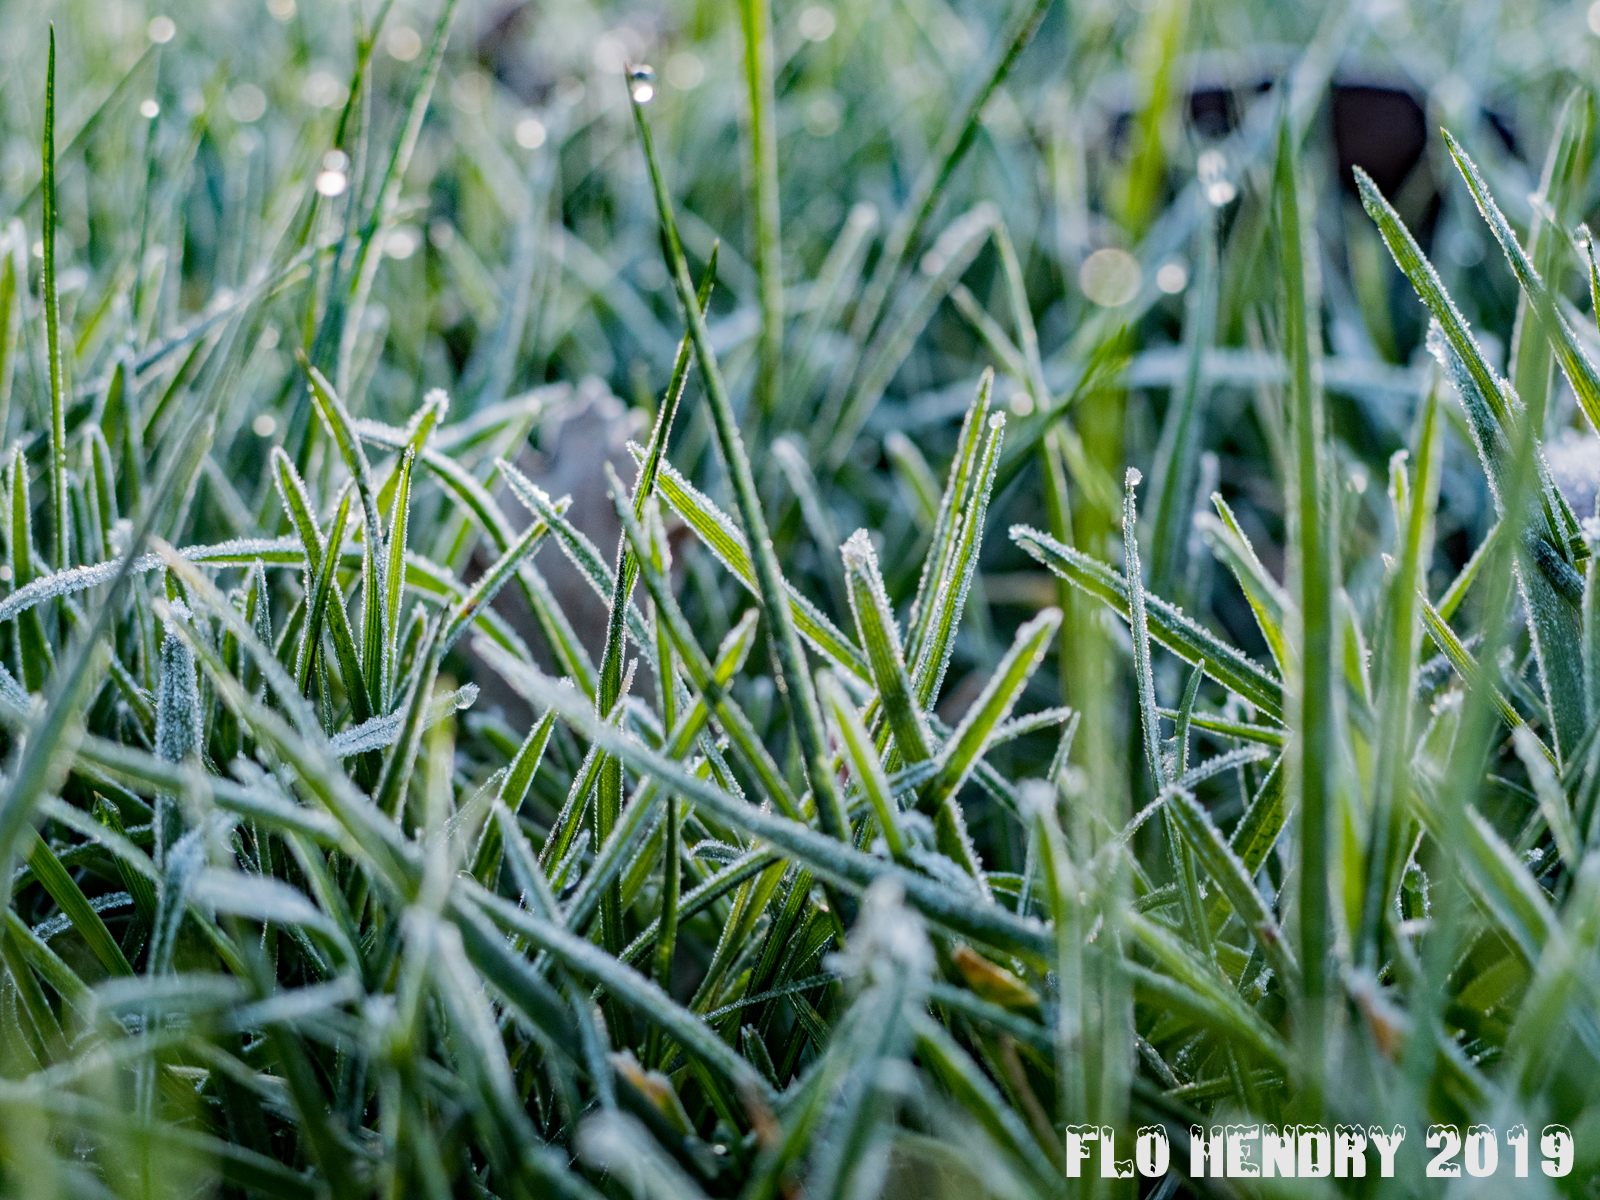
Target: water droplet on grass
247,103
642,83
530,133
817,23
685,71
403,43
1212,168
401,242
1110,277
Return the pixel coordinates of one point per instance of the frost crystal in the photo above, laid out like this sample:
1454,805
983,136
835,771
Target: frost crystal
888,938
177,697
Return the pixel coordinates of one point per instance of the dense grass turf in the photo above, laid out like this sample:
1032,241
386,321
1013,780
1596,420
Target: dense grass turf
805,619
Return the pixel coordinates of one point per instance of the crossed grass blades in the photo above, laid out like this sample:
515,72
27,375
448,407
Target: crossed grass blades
288,916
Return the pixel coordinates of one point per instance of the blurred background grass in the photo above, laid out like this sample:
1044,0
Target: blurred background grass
527,249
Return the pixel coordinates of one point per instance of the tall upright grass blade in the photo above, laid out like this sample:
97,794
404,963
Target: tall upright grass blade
804,714
755,21
1562,184
1398,686
1178,453
608,801
1314,583
59,511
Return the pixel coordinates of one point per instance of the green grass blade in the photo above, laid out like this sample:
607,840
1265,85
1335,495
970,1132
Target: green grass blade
975,1094
801,699
50,295
1314,575
971,738
1193,985
491,581
397,766
700,671
1168,625
1575,364
64,890
1563,184
638,992
1138,623
1491,407
322,585
577,547
37,658
342,426
1182,430
755,19
614,851
823,854
934,649
1463,662
863,755
13,292
946,526
1225,868
394,568
718,534
1398,682
1267,600
875,626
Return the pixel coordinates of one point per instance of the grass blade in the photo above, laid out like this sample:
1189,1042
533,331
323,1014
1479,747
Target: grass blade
822,853
1232,669
803,711
718,534
755,19
1315,578
59,511
36,656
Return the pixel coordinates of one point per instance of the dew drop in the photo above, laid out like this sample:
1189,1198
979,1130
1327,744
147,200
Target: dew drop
1212,167
1173,277
642,83
817,23
530,133
1110,277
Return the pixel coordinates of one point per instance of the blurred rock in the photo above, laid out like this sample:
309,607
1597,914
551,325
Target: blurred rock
583,432
591,429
